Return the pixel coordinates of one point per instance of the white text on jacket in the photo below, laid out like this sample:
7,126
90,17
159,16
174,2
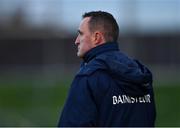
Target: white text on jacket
123,99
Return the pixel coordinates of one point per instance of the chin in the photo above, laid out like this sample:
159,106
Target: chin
80,55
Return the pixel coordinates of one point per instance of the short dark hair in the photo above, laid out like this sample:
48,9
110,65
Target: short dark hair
104,21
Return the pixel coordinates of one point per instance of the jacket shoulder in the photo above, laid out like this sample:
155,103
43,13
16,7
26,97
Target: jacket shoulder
91,67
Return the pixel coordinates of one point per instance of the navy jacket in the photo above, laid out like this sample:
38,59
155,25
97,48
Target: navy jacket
110,89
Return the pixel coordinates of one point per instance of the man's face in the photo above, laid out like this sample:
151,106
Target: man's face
84,40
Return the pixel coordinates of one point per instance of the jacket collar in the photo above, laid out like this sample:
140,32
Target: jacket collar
106,47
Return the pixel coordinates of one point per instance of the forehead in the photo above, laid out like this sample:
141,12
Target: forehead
84,23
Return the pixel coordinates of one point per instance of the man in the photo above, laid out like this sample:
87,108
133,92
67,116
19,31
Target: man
110,88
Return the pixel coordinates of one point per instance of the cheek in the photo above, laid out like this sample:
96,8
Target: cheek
85,44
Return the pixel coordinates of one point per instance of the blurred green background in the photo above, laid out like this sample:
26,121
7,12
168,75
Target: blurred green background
23,103
38,56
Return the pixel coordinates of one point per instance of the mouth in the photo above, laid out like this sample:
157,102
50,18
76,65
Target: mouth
78,48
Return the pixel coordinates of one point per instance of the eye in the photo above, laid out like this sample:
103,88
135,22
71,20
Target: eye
79,32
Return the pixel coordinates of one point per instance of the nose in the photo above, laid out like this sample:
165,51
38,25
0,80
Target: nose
77,41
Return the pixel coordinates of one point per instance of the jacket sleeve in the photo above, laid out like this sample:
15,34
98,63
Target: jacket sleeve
80,108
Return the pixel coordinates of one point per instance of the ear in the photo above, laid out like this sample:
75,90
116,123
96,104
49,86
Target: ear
98,38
